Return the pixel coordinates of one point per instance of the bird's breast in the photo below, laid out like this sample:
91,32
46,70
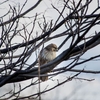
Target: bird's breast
49,55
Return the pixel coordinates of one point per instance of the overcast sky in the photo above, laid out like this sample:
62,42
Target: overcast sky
76,89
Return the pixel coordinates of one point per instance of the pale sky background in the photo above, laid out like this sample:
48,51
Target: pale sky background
74,90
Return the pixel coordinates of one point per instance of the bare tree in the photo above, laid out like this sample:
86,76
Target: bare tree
19,45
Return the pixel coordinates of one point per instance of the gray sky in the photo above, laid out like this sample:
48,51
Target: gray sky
70,90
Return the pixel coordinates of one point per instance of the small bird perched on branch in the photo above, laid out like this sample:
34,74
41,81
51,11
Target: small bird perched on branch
46,55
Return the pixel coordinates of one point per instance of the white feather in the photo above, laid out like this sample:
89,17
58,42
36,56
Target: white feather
48,55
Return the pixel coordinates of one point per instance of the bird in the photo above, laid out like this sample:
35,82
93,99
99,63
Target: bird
46,55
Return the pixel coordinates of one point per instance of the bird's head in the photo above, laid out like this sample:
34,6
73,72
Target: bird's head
52,47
